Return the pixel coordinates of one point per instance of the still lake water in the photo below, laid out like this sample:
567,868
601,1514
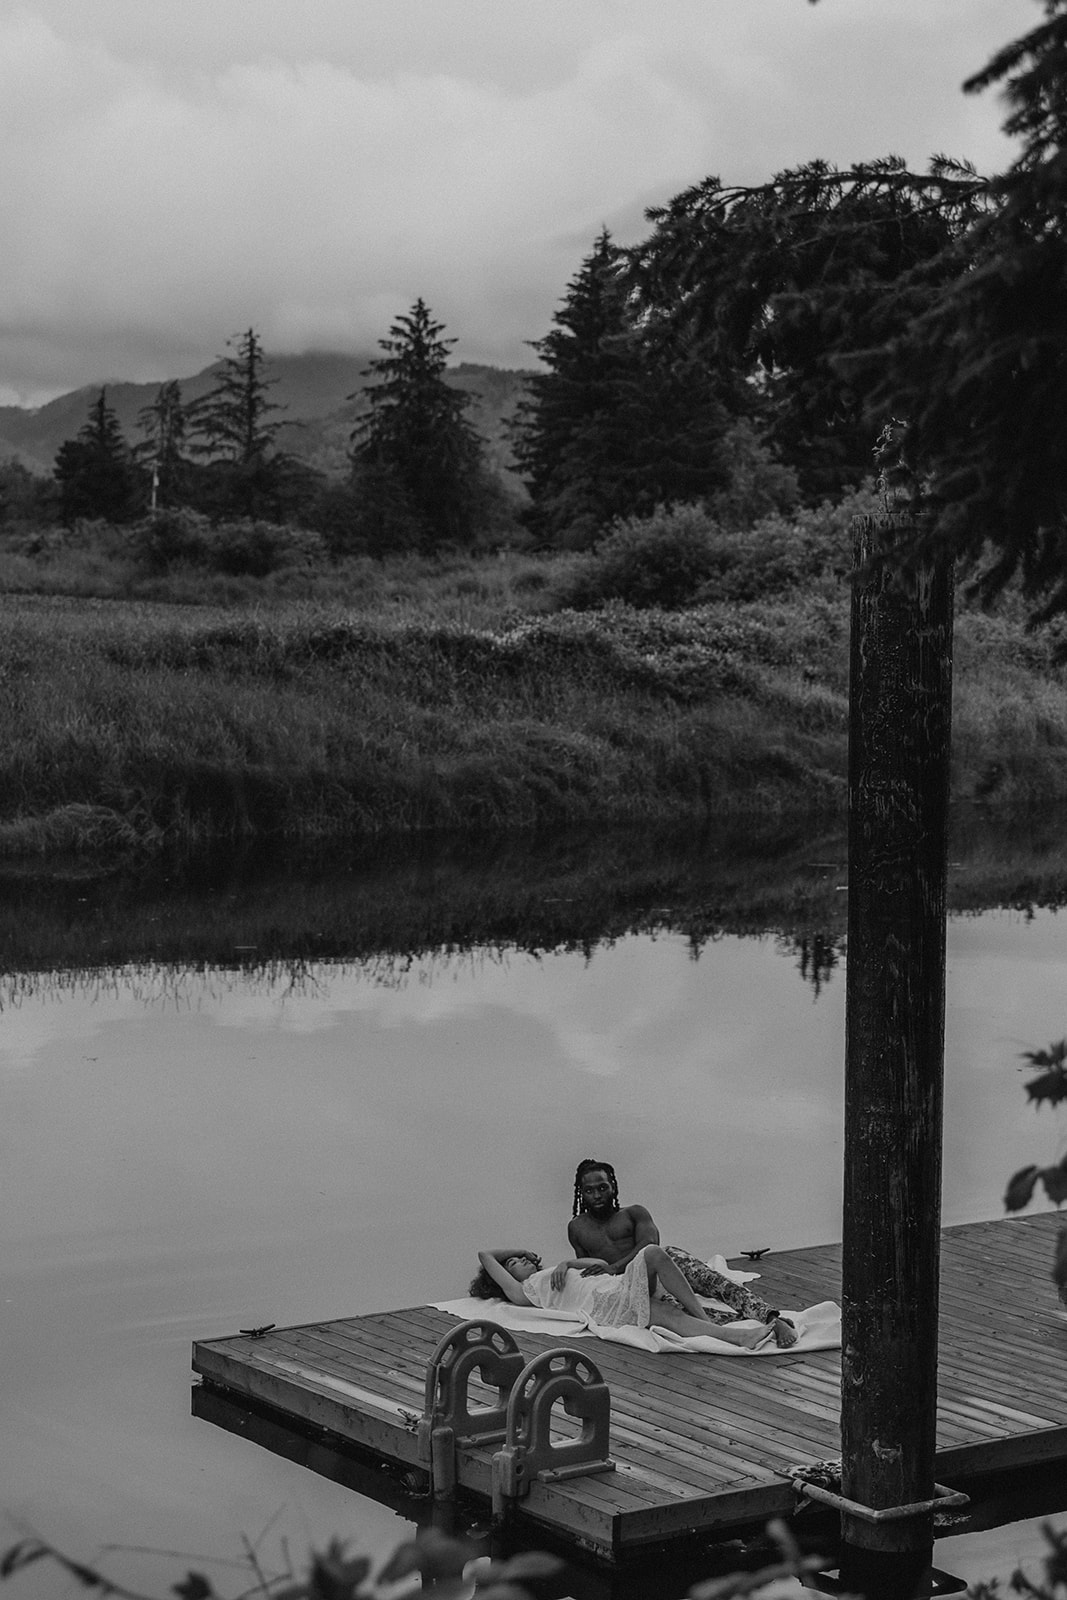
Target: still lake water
189,1150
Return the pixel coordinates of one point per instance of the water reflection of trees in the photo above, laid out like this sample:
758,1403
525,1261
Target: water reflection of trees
280,925
165,986
817,956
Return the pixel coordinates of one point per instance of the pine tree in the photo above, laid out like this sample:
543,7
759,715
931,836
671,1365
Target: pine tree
561,431
232,421
417,461
235,432
161,448
95,470
623,418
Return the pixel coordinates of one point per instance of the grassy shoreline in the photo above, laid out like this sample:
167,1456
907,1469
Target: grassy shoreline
140,725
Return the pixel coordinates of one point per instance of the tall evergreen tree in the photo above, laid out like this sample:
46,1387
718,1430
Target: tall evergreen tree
233,420
161,449
623,418
417,460
95,470
561,429
235,432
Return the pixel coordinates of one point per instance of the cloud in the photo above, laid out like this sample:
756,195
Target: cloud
164,184
301,198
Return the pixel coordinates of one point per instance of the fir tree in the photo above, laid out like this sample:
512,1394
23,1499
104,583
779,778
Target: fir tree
623,418
417,461
235,432
161,448
95,470
233,420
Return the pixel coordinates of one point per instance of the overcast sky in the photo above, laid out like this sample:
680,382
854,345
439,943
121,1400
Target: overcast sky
172,171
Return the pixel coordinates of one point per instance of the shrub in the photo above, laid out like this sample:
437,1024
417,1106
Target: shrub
684,555
245,547
173,537
661,560
759,485
250,548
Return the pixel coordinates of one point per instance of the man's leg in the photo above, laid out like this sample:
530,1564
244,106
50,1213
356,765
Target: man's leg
704,1280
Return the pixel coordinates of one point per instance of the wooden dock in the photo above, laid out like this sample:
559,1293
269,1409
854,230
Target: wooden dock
702,1445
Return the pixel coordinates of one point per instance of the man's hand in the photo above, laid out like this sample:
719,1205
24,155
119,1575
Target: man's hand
596,1270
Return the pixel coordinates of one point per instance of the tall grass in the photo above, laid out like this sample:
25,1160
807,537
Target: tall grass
448,695
94,562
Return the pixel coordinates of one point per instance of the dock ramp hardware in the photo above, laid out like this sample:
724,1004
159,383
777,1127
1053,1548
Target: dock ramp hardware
447,1419
942,1501
529,1451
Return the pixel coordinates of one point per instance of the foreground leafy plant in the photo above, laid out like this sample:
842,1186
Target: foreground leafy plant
432,1558
1053,1584
1050,1084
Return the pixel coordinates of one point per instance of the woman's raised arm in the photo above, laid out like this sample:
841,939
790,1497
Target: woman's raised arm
510,1287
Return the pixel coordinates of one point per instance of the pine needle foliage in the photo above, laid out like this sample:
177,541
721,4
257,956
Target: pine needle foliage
626,415
776,282
417,459
233,421
981,375
95,470
161,448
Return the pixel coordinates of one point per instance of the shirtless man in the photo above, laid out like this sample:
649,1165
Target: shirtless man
601,1227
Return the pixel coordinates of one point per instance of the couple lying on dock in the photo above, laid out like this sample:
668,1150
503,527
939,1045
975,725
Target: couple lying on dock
621,1276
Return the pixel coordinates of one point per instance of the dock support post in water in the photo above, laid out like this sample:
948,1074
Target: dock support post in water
900,699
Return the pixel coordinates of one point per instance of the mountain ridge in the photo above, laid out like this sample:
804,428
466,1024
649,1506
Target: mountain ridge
314,392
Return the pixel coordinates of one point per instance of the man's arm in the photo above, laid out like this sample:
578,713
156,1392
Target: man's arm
574,1236
645,1233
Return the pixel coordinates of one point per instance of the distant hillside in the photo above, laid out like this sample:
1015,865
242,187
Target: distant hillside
313,388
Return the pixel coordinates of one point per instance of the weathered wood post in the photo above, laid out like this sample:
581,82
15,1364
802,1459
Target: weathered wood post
899,722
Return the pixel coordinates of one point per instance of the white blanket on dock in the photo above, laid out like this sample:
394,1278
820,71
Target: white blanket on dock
818,1327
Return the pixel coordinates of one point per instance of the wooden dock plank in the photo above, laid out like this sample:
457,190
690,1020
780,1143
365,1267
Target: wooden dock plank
703,1443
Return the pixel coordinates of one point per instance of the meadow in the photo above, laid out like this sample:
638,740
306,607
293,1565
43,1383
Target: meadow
366,698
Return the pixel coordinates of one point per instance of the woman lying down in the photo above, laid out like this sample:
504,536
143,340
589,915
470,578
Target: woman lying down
634,1298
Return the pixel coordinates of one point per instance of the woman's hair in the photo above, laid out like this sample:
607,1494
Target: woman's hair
483,1287
589,1165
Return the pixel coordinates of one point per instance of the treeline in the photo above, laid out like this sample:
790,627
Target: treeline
745,357
417,479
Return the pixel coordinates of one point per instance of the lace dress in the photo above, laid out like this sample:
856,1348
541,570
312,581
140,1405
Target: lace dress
609,1300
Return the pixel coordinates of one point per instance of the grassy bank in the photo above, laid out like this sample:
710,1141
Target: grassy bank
136,723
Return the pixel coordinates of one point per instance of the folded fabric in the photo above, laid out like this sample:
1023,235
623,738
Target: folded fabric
818,1326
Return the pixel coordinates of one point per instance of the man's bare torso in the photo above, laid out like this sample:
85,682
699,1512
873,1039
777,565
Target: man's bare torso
609,1239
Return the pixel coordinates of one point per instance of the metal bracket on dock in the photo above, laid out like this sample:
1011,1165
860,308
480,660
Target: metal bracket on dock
943,1500
480,1346
529,1451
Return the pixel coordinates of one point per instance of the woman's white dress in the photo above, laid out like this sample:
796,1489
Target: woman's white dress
610,1300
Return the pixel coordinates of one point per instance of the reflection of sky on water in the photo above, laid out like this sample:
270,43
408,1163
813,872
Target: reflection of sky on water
194,1153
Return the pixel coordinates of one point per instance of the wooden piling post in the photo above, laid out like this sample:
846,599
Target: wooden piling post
899,723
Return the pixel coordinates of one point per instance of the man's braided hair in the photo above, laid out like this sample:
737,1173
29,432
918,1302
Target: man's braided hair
589,1165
